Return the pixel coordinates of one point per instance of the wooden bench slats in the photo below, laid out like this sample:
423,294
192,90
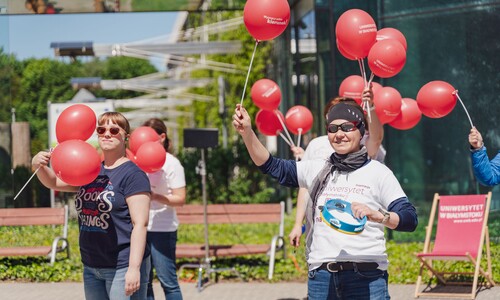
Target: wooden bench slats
25,251
32,216
195,209
233,214
198,251
229,219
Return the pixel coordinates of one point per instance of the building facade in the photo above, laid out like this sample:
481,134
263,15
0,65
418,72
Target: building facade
453,41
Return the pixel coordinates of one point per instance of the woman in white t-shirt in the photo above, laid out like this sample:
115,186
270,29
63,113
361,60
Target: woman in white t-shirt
168,190
352,199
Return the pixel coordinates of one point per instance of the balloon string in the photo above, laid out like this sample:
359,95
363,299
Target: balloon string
362,69
371,79
284,128
298,137
248,72
284,138
26,183
367,107
466,112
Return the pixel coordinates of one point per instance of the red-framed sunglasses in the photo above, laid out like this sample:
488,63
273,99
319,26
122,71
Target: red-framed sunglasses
102,130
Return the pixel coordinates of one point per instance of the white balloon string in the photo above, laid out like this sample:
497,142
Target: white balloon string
248,73
371,79
361,69
284,138
26,183
466,112
284,128
298,137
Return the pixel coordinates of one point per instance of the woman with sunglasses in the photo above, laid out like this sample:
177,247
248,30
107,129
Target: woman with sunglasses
168,190
320,148
112,216
347,260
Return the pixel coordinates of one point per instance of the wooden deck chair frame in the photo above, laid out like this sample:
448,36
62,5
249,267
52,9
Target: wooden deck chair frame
427,256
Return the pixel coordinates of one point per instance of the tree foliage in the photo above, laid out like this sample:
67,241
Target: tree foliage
232,177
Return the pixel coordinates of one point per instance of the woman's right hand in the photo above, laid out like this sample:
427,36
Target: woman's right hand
241,120
42,158
295,235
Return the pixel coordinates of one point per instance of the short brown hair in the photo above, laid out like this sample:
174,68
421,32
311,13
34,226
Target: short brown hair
115,118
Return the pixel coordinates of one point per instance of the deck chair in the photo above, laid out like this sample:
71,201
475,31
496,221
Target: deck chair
461,233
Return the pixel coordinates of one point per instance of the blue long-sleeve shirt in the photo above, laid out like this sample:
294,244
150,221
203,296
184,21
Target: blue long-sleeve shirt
487,171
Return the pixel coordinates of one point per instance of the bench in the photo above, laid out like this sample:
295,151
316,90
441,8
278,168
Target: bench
234,214
34,217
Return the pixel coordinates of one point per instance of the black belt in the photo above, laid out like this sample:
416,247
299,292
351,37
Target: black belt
348,266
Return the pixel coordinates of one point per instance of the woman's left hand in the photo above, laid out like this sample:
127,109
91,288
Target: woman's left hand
132,281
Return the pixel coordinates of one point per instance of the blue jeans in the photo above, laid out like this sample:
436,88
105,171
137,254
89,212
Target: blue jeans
162,246
108,283
348,285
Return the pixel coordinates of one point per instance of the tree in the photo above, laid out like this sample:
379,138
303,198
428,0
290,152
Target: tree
10,76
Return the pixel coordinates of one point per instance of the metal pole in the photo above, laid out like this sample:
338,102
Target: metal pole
203,173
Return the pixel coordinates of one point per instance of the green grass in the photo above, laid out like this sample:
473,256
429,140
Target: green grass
403,265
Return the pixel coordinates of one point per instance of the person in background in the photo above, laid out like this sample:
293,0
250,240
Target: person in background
341,265
112,216
320,148
168,187
486,171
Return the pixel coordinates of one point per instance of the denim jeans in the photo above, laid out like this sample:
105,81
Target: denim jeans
107,283
348,285
162,246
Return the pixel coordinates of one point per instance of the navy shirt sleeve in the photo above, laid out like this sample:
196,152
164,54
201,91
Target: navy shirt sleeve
407,213
285,171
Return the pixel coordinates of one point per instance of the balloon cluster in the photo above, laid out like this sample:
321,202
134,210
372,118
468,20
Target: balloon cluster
385,50
266,95
74,160
146,150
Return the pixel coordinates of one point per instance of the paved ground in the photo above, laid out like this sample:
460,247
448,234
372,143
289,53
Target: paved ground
216,291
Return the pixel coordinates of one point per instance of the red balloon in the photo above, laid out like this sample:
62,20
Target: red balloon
298,118
142,135
151,157
436,99
76,122
387,104
391,33
75,162
356,31
409,116
267,122
352,87
130,155
343,52
266,19
266,94
387,58
376,87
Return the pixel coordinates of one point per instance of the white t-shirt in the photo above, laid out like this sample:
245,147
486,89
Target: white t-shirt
320,148
373,185
161,216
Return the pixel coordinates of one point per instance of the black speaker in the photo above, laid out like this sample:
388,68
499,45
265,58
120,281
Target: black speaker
201,137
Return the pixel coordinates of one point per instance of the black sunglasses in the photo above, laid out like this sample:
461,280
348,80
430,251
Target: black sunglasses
345,127
102,130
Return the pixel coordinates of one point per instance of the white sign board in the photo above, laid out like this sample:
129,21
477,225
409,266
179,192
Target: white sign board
55,110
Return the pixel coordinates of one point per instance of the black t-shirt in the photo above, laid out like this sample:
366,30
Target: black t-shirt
104,217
